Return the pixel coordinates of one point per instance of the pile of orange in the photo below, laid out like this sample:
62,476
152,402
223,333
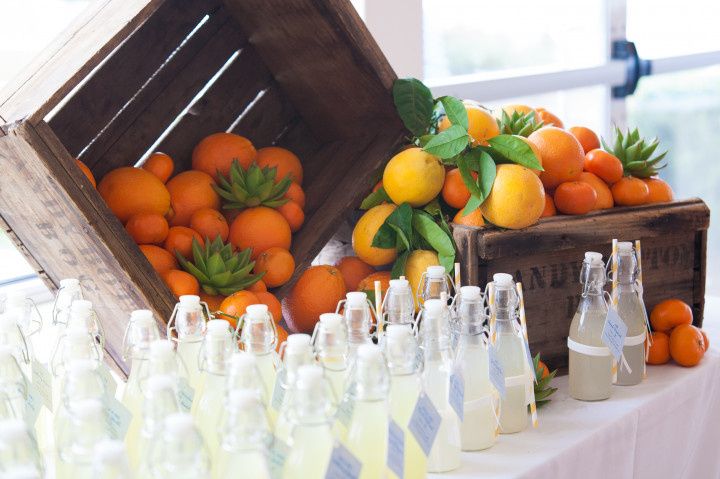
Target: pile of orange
674,336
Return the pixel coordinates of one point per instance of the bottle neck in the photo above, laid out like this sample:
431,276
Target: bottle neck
472,317
593,279
189,323
358,320
434,288
158,405
258,337
245,430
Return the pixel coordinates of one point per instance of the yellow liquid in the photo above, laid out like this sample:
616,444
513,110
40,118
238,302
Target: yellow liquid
133,400
478,425
404,391
445,452
266,366
630,310
189,352
310,452
210,404
513,407
368,437
234,464
337,382
590,377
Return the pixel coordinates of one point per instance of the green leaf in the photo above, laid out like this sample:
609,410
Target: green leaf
455,111
375,198
516,150
215,265
473,203
398,268
414,103
448,143
438,239
400,219
480,162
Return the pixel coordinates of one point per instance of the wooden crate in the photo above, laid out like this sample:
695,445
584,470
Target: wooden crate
547,258
131,76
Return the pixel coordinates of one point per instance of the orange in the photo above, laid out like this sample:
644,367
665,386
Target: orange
160,165
129,190
181,283
659,351
258,286
277,264
604,195
475,218
562,155
587,138
575,198
210,223
535,150
191,191
549,119
543,367
630,191
179,239
670,313
296,194
549,209
235,304
317,291
368,283
217,152
146,228
160,259
282,335
706,339
481,124
604,165
293,214
86,171
660,191
273,304
260,228
522,109
353,270
454,191
687,346
286,162
213,302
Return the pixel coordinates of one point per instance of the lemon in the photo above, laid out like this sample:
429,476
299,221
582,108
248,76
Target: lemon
417,262
413,176
517,198
364,232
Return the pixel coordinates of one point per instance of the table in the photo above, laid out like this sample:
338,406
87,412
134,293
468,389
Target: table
666,427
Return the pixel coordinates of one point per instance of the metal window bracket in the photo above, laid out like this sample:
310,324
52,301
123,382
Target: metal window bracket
636,67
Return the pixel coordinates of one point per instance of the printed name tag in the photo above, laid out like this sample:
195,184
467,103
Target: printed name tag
613,333
278,394
343,464
118,418
42,382
345,410
185,394
425,423
497,374
108,380
277,457
396,449
457,393
33,404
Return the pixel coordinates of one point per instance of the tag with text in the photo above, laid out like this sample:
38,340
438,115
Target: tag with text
277,456
42,382
396,449
497,374
343,464
185,394
457,393
613,333
425,423
118,418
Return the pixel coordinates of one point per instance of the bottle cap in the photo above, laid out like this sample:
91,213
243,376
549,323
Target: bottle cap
142,316
242,399
12,431
298,341
110,452
87,408
356,299
470,293
242,360
433,307
190,300
331,321
257,311
81,307
369,352
179,424
625,246
15,299
502,279
218,327
399,283
592,257
397,331
70,283
158,382
435,272
161,348
310,376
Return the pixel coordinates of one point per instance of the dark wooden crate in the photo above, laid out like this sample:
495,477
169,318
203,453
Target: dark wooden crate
131,75
547,258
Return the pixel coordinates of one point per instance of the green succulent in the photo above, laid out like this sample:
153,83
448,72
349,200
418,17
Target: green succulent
219,269
252,187
543,387
636,153
518,123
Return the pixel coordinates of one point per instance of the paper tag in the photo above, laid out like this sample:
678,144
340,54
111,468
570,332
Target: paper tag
345,410
118,418
613,333
108,380
185,394
343,464
277,456
497,374
425,423
457,393
278,394
33,405
42,382
396,449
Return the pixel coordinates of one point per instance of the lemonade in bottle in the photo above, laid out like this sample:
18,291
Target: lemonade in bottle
163,360
78,437
590,368
19,451
330,343
404,365
259,338
297,353
244,437
479,421
312,439
180,452
188,321
367,436
631,310
111,461
160,403
245,375
510,348
435,338
357,313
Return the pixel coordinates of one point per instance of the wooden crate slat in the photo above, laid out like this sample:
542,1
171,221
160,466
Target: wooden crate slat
267,118
115,81
159,104
72,57
216,110
326,63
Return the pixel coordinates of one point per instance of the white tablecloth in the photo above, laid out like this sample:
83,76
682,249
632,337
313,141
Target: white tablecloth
666,427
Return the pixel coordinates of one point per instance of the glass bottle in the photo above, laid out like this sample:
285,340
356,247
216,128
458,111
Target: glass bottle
13,386
160,403
188,321
141,331
18,450
590,368
163,360
631,310
367,435
398,305
26,314
357,313
405,366
12,336
111,461
68,292
244,374
479,421
330,343
244,438
82,315
297,353
433,284
312,439
259,338
435,338
510,348
180,453
77,439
